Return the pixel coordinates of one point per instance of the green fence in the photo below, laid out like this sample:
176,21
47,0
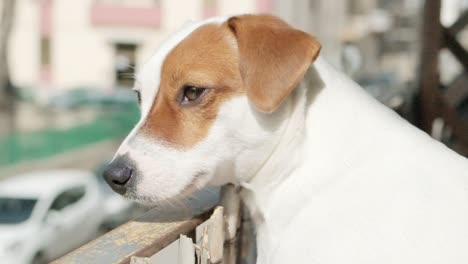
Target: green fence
41,144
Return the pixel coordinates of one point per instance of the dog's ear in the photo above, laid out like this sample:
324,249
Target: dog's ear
273,57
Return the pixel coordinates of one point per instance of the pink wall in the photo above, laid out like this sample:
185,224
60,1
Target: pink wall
116,15
265,6
209,12
45,17
45,74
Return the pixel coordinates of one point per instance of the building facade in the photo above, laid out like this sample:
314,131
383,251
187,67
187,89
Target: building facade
62,44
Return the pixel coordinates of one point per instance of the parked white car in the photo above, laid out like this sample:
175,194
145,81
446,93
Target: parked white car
44,215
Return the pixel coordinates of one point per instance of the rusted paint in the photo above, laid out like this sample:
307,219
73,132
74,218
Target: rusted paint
216,235
204,256
230,200
186,250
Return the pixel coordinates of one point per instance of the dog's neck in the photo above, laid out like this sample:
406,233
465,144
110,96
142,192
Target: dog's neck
285,155
284,159
319,141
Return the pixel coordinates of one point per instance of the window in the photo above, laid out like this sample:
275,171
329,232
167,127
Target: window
68,198
15,210
45,51
45,60
210,3
125,60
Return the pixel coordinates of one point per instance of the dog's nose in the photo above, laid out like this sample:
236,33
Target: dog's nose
117,175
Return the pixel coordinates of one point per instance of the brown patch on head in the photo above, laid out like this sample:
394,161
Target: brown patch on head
207,58
260,56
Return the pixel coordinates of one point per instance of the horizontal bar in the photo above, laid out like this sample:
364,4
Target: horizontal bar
141,238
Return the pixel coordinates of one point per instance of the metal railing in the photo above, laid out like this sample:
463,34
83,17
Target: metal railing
213,237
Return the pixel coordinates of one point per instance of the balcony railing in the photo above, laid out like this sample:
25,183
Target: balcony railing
213,237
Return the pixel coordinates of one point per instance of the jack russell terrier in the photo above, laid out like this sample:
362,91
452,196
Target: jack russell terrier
329,174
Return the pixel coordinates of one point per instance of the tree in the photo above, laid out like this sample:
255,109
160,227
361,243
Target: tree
7,8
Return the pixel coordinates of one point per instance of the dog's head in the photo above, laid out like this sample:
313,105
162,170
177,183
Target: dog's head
210,105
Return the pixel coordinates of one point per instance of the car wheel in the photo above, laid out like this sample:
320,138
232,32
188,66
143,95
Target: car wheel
39,258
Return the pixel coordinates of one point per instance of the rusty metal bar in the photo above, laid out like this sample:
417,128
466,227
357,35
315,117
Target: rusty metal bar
456,48
457,91
429,101
140,238
460,23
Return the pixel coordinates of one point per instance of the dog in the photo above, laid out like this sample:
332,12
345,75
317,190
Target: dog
328,174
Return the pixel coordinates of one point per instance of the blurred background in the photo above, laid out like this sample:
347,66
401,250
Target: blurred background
66,73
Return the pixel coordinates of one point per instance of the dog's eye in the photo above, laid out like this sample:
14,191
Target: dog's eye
138,94
192,93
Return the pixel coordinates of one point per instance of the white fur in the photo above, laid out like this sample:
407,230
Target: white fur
332,176
359,185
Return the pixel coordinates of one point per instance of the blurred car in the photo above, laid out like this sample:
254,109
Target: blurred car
44,215
116,209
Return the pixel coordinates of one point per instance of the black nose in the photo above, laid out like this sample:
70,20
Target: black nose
117,174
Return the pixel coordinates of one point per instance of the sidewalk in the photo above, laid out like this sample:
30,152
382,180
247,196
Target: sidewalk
57,137
87,157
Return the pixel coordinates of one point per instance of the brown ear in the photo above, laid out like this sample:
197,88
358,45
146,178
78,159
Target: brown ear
273,57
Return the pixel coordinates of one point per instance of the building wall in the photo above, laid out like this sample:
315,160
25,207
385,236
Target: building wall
83,49
81,54
323,19
24,44
229,7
